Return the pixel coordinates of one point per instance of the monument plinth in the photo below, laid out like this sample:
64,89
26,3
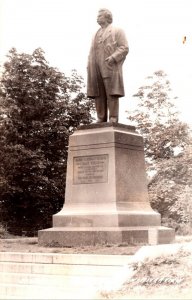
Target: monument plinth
106,197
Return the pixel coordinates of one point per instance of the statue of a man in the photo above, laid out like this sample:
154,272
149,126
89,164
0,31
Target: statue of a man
105,78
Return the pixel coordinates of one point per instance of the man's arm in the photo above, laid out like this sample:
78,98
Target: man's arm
122,47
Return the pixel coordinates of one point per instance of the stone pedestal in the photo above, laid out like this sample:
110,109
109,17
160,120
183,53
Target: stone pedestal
106,198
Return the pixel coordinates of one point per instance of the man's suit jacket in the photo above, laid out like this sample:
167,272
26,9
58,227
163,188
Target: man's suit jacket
115,44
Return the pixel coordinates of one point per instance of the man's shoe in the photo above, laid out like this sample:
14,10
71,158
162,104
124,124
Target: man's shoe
113,120
99,121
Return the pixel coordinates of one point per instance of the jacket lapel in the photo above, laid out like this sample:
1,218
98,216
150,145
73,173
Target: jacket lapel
107,32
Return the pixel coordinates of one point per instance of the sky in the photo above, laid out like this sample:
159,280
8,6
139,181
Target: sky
64,30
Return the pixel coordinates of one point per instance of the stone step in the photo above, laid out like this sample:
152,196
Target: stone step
16,291
55,280
58,269
62,258
59,276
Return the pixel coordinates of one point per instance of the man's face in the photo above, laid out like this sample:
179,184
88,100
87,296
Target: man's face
101,19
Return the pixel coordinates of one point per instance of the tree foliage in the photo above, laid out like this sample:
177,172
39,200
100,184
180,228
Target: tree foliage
167,144
157,119
170,190
40,108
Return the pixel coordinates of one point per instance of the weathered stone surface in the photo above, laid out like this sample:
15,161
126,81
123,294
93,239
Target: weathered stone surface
106,190
75,236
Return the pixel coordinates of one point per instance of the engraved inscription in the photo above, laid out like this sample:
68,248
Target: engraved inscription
90,169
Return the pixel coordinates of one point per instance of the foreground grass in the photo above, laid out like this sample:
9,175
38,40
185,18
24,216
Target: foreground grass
165,277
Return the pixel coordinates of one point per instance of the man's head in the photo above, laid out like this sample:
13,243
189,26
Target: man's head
104,17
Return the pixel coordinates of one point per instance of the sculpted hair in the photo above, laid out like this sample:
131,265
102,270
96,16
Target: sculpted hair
107,14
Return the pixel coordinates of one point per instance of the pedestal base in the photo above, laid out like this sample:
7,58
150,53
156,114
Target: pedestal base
84,236
106,197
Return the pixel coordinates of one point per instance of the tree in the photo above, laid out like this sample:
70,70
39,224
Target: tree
40,108
158,120
167,142
170,190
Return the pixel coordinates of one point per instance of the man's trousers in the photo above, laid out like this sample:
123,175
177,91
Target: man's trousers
105,103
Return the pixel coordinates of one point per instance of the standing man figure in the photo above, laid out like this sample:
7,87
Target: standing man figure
105,77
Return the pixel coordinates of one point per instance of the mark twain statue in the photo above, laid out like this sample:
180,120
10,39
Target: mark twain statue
105,77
